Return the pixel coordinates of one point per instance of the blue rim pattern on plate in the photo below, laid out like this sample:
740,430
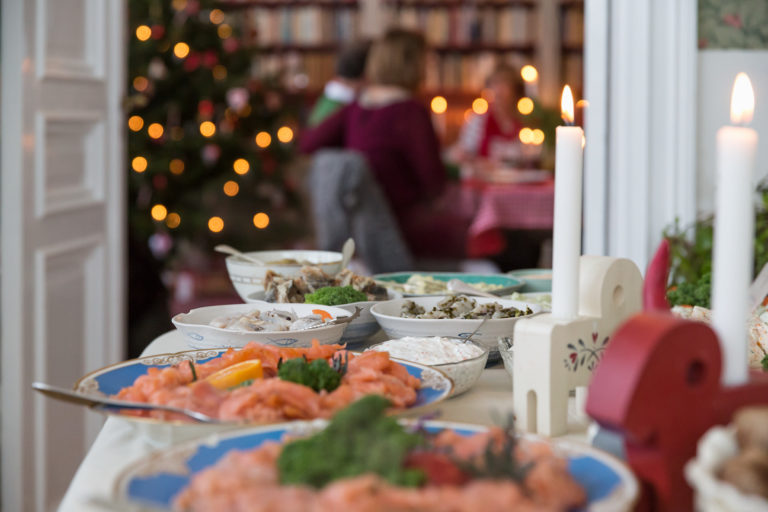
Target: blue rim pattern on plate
604,479
509,284
435,386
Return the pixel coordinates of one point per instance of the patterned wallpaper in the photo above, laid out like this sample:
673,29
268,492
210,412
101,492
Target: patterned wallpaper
733,24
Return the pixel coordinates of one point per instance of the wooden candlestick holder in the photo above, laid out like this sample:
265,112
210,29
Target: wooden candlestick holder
554,356
659,386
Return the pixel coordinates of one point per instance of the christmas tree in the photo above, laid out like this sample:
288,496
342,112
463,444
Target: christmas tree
209,143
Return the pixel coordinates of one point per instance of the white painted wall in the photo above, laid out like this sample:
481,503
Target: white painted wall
717,70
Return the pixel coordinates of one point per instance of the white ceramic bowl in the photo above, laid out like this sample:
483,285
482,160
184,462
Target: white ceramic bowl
358,330
711,494
248,277
388,315
464,374
199,335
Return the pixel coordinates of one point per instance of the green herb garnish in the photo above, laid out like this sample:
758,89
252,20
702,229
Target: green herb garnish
317,375
335,295
359,439
194,372
692,294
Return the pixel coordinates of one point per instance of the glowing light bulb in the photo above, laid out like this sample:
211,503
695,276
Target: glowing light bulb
439,105
224,31
135,123
537,137
480,106
525,106
159,212
529,73
143,32
140,83
261,220
181,50
173,220
526,136
231,188
216,224
207,129
263,139
139,164
155,130
241,166
216,16
284,134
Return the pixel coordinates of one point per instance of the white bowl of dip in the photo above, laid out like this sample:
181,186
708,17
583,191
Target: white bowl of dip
460,359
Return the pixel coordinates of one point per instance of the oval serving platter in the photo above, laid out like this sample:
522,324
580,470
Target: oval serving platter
435,385
153,481
508,284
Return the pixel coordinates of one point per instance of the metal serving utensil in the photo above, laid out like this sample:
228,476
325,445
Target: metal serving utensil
227,249
98,402
457,285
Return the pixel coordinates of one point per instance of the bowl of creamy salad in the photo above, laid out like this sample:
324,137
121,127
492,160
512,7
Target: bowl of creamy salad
459,358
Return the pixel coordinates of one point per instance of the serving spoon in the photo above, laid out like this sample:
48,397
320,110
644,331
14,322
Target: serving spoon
347,250
98,402
227,249
457,285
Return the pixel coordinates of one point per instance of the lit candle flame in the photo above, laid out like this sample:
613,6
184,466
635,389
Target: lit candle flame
742,100
566,105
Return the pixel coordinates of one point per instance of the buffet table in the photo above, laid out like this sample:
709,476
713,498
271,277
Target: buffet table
120,442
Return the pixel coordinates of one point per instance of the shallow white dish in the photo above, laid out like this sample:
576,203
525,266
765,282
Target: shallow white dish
388,315
153,481
358,330
711,494
248,277
464,374
199,335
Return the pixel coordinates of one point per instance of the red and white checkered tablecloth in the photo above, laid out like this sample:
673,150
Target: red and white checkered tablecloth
497,207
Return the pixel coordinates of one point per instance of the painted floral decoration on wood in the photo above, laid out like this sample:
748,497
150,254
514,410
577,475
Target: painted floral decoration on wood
584,354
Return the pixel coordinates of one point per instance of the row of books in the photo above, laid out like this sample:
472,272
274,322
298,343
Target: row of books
449,73
465,72
302,26
467,24
572,29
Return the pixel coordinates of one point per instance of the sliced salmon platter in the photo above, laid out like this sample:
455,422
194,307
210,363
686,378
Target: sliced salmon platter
265,384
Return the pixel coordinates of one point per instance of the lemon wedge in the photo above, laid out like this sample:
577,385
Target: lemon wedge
236,374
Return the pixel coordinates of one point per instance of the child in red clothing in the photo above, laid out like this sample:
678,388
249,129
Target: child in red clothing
395,133
494,134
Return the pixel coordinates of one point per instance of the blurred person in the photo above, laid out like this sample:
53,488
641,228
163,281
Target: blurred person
394,132
491,134
343,88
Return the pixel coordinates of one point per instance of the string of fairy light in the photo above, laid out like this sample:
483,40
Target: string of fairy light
525,105
263,139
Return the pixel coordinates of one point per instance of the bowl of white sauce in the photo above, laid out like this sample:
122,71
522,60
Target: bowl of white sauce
461,359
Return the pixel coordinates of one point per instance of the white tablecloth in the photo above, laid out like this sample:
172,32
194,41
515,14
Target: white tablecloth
119,443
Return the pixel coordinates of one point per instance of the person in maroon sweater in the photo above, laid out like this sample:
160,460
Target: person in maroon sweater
394,132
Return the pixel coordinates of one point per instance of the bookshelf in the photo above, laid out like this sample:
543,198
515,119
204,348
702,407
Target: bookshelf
467,38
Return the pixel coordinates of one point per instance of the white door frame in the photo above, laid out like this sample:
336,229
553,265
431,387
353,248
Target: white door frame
62,228
640,162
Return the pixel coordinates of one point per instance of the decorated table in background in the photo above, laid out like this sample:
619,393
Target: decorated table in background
495,205
119,443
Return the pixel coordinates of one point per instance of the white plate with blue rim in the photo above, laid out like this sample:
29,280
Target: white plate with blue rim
154,481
